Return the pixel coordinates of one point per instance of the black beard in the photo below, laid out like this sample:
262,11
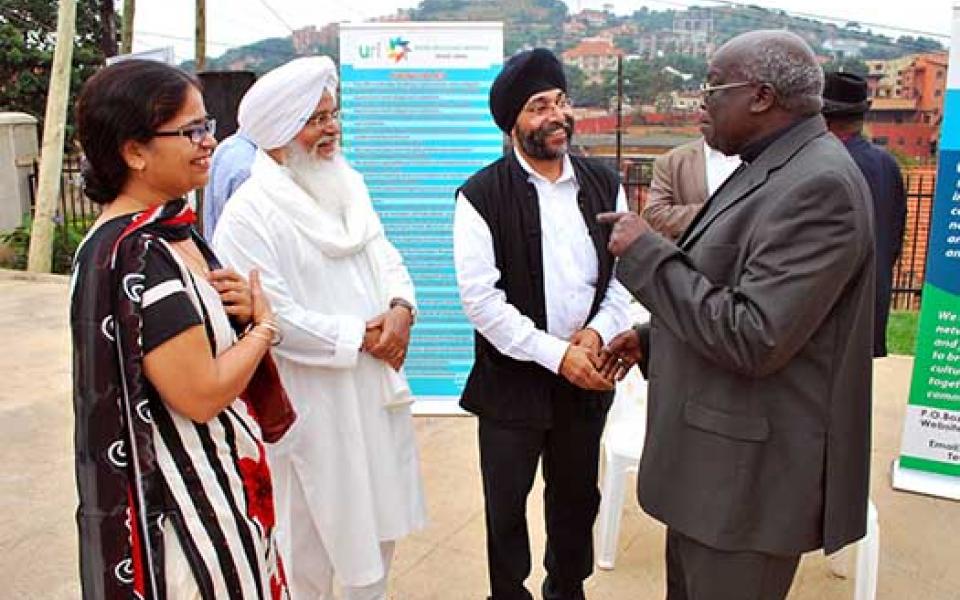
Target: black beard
534,143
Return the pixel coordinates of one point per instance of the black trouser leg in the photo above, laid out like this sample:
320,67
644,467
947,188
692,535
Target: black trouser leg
676,580
698,572
508,464
571,498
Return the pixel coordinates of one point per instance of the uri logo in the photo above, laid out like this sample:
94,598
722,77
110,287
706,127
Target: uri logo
399,49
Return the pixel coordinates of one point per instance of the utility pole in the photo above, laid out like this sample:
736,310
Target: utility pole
619,113
108,29
201,36
126,28
51,154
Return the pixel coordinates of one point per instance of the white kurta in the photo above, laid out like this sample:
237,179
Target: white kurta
354,457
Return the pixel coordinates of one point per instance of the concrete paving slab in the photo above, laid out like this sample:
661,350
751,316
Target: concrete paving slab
446,561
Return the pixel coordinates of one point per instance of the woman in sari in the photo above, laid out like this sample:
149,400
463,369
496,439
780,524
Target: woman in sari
175,493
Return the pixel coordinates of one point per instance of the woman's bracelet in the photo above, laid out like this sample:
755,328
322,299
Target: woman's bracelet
269,324
275,337
261,335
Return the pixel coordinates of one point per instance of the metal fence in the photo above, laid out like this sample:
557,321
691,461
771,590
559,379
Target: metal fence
908,273
909,270
73,216
75,212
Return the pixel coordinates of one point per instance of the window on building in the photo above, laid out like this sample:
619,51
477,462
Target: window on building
919,141
880,140
926,118
901,141
937,93
939,74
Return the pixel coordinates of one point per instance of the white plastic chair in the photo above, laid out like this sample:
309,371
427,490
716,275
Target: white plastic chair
868,558
622,446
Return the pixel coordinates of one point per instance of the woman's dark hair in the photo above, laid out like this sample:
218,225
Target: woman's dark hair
125,101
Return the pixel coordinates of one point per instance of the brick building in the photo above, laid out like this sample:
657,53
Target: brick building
907,104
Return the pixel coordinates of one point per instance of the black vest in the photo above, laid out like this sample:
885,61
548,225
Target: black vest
500,387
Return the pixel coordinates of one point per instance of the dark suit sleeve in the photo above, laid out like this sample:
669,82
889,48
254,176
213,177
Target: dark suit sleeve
899,197
664,211
801,257
643,334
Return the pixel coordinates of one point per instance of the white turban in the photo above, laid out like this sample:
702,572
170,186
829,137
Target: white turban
277,106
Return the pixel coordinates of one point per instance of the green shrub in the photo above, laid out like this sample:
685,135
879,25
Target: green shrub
66,238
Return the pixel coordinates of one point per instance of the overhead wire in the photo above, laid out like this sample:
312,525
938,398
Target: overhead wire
820,17
276,15
806,22
791,19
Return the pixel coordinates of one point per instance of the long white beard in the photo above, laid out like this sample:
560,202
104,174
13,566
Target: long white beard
324,180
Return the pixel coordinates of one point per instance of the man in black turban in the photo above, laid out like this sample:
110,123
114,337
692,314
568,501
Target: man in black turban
535,281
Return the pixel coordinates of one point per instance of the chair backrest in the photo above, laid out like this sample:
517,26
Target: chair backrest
630,399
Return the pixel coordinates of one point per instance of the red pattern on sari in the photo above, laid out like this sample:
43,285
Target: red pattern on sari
258,489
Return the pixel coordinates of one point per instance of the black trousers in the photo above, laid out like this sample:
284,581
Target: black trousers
699,572
509,454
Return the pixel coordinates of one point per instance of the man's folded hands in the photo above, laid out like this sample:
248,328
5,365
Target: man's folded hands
582,361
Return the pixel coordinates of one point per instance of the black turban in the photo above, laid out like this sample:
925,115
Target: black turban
524,74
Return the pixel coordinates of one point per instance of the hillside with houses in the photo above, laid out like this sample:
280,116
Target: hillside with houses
663,56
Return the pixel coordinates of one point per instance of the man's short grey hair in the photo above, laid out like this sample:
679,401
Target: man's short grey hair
783,60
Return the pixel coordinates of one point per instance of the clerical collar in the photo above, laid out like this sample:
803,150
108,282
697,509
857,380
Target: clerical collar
755,149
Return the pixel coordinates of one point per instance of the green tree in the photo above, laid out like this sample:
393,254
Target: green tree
583,92
654,20
645,81
527,23
576,81
920,43
260,56
27,39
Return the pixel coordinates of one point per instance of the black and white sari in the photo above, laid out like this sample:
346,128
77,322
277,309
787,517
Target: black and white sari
169,508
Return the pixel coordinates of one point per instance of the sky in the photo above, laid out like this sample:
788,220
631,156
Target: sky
232,23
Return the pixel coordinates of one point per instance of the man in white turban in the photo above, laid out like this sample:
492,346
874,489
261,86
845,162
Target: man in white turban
347,480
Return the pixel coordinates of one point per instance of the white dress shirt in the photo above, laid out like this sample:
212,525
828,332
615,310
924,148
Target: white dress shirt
719,167
569,276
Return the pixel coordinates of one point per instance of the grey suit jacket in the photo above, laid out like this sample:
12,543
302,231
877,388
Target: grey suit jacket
678,189
758,433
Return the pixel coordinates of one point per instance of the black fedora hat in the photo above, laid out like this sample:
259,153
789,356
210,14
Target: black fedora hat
844,95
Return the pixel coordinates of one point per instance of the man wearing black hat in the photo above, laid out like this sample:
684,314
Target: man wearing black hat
535,280
844,104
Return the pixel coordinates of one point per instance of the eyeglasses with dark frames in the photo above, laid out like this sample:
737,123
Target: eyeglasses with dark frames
196,132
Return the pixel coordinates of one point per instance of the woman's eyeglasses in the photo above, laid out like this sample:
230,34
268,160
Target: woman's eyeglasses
196,133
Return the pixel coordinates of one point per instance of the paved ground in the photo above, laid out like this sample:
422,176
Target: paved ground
920,536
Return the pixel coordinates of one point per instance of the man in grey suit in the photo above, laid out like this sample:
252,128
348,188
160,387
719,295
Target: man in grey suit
758,351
